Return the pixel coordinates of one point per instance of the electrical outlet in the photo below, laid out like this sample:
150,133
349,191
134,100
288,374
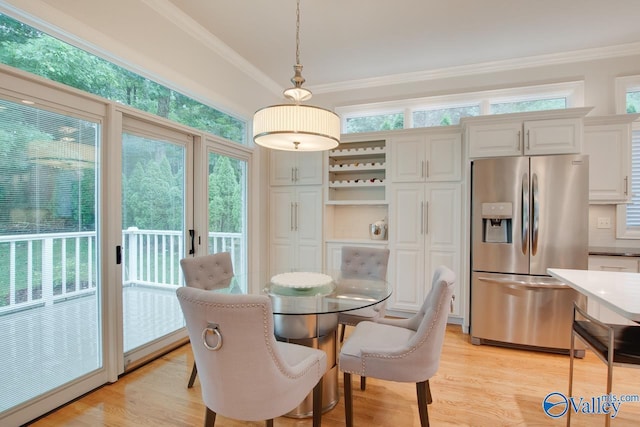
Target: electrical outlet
604,222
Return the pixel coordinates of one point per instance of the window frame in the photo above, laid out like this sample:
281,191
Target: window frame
622,86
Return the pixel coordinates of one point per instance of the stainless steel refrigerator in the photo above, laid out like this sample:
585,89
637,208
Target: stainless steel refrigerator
527,214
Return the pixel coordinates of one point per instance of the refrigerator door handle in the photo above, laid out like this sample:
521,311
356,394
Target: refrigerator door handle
518,284
536,213
525,213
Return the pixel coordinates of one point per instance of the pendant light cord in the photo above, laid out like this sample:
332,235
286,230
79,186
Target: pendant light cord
298,32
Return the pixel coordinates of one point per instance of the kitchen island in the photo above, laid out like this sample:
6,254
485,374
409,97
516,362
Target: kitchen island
618,291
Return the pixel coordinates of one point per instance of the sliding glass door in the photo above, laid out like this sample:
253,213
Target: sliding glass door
51,335
154,209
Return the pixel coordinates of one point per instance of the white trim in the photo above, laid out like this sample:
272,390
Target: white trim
486,67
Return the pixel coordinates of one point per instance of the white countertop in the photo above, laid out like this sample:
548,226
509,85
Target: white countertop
617,291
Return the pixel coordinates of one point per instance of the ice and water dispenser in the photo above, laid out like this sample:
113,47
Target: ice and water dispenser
497,219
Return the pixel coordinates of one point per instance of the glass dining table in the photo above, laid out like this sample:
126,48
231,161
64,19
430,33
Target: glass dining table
305,310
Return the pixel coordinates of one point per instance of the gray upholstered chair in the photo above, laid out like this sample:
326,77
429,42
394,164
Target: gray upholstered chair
245,373
206,272
403,350
364,262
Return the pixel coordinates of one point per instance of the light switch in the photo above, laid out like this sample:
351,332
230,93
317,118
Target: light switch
604,222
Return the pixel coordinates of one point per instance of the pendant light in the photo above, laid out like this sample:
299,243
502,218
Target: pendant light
295,126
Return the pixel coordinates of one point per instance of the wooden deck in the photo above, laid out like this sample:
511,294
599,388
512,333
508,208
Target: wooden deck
44,347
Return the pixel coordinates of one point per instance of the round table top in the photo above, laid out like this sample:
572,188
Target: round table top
343,294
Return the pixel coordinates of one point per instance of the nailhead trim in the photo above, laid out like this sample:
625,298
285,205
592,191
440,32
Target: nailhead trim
267,333
403,355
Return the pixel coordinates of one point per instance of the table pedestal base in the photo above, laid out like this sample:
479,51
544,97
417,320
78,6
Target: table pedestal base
317,331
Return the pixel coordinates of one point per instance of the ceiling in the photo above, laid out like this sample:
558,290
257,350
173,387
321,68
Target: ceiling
346,41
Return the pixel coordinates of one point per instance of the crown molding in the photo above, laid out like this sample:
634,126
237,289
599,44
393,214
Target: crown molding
172,13
486,67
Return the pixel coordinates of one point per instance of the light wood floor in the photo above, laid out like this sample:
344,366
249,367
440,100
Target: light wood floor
475,386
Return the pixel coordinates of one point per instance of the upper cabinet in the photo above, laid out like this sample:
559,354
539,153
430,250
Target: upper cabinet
426,157
607,141
536,133
293,168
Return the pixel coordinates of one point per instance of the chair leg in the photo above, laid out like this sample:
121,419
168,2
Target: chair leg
342,328
363,383
422,391
429,399
317,404
269,423
209,418
192,378
348,400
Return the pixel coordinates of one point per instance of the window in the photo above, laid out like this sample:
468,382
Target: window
628,101
529,105
374,123
449,109
443,116
30,50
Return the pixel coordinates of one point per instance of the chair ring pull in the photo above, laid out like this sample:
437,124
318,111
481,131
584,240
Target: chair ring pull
212,328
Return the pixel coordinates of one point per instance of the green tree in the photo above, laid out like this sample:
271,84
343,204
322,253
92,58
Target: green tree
225,198
154,197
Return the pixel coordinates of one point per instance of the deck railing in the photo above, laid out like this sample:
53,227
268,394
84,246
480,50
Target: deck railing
42,269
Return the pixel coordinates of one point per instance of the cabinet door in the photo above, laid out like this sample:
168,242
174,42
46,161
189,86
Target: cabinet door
281,230
407,237
609,162
308,228
442,246
282,167
495,139
289,168
443,157
557,136
308,168
408,162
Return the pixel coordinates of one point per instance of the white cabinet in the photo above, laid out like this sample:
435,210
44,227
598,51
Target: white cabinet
610,263
495,139
607,141
425,226
292,168
295,228
427,157
555,136
534,133
613,263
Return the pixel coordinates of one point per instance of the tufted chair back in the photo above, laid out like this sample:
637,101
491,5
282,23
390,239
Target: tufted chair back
244,372
208,272
364,262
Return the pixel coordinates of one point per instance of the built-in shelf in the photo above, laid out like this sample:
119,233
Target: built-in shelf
357,173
